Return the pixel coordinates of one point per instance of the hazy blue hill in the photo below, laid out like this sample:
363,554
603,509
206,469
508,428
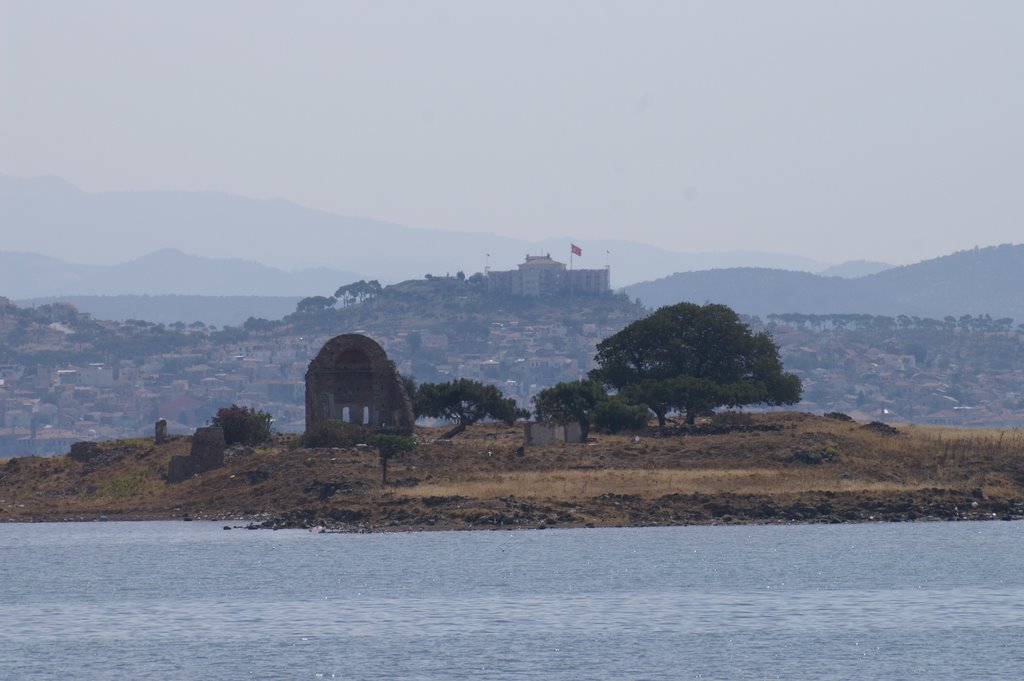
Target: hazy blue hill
749,290
30,274
854,269
981,281
211,310
51,216
167,271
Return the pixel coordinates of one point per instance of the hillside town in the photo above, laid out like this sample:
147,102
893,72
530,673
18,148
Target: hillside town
48,402
65,377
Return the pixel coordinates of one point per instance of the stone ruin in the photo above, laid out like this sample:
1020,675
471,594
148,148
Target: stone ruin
352,380
536,434
206,454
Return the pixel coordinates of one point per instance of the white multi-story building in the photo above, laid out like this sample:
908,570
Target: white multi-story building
539,275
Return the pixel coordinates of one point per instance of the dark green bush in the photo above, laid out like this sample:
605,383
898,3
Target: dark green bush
615,414
334,433
243,425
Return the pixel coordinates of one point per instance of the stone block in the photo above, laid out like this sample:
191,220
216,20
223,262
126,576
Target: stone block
160,435
85,451
206,454
538,434
572,433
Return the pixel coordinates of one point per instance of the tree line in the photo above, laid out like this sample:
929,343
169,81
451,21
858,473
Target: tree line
686,358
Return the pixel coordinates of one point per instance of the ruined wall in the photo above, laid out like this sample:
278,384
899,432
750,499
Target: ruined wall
206,454
352,380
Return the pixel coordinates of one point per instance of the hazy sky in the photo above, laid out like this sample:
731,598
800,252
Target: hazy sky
838,130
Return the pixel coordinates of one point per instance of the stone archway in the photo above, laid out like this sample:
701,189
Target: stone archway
352,377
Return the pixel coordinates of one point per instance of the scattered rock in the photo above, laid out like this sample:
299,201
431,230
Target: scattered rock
257,476
345,515
814,457
881,428
84,452
238,451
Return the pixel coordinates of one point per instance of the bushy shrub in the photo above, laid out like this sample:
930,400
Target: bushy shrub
334,433
243,425
615,415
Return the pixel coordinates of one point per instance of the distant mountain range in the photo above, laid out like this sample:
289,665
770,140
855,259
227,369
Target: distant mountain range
167,271
980,281
229,234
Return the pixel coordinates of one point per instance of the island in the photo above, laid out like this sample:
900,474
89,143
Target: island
775,467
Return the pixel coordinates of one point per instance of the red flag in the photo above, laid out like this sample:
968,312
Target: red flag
576,250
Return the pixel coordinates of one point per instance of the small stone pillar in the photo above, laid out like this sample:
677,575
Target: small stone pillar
161,431
538,433
573,433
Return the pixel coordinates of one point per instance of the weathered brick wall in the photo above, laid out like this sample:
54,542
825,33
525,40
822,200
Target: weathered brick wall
351,379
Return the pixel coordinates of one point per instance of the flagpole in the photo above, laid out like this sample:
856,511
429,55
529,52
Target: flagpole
572,251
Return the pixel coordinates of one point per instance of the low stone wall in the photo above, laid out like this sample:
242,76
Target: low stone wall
537,434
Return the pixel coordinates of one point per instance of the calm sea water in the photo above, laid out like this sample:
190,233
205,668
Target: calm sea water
180,600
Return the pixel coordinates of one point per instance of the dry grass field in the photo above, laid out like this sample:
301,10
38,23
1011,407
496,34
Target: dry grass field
779,467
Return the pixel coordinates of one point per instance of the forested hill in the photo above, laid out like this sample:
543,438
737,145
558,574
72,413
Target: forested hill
980,281
444,305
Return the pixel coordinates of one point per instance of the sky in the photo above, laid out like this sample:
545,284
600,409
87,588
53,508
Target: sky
836,130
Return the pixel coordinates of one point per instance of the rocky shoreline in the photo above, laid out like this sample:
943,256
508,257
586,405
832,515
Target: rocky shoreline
779,469
618,510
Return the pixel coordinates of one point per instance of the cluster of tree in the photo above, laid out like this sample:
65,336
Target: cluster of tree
435,302
358,292
686,358
589,404
463,401
349,294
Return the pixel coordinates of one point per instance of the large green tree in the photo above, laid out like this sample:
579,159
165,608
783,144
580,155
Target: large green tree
465,401
568,402
693,358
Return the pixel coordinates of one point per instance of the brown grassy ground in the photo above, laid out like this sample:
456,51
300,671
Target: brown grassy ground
784,467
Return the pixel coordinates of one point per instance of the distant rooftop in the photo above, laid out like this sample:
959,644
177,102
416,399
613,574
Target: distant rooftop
540,261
